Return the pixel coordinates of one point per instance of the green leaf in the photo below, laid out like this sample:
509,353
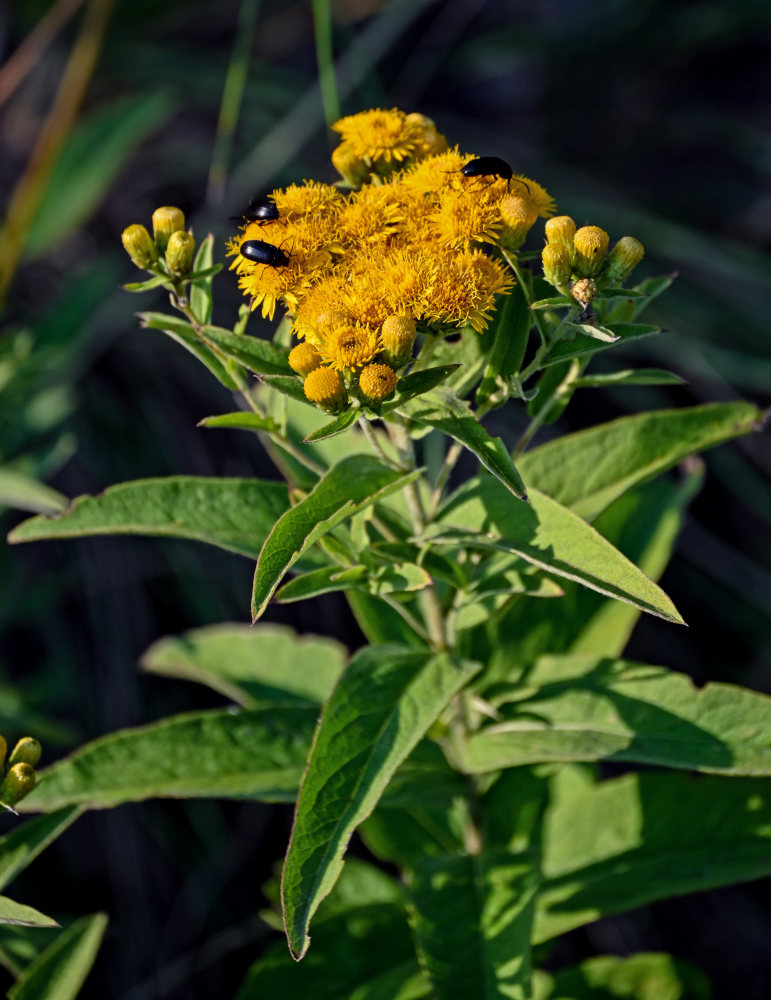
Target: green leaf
25,916
510,332
145,286
447,413
350,486
234,514
589,708
230,753
246,421
259,356
93,156
382,707
554,302
379,622
622,293
643,837
648,976
587,470
601,333
417,383
549,535
470,351
251,665
341,423
58,972
290,386
22,492
181,332
583,344
22,845
472,918
402,577
639,376
201,279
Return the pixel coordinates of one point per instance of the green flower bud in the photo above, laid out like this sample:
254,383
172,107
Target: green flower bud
584,291
166,220
139,246
179,253
26,751
624,258
19,782
556,265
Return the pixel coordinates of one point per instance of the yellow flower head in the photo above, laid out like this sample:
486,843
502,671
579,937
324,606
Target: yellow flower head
541,201
368,216
380,135
304,358
351,346
465,287
437,173
322,310
365,297
429,141
463,219
556,265
377,382
309,198
325,388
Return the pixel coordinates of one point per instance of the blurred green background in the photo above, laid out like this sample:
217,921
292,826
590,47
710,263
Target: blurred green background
647,118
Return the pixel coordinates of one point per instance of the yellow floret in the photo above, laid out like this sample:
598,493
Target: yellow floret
351,346
380,135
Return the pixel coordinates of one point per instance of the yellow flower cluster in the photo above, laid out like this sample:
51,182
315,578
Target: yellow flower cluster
412,246
20,777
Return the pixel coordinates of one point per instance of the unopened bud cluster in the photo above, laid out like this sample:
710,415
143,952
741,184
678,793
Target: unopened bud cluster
576,261
19,771
170,250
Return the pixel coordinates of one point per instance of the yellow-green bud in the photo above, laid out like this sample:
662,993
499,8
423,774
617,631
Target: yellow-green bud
350,166
624,258
518,216
584,291
556,266
3,750
377,382
139,246
26,751
19,782
179,253
561,229
325,388
166,220
397,336
591,244
304,358
429,141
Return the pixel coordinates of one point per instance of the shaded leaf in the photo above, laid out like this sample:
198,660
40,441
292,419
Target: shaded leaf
473,916
24,843
383,705
632,840
230,753
639,376
22,492
587,470
234,514
416,383
588,708
245,421
251,665
201,279
510,332
648,976
351,485
58,972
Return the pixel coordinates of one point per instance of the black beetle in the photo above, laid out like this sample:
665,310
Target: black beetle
491,166
260,210
260,252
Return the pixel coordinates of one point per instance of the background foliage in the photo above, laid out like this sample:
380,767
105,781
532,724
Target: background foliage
642,117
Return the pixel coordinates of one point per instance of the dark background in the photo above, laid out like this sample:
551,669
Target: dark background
648,118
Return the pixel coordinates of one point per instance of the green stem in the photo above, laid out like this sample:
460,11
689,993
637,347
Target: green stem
322,29
527,292
453,454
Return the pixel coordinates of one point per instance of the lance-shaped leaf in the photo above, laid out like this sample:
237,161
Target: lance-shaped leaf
416,383
235,753
404,577
341,423
447,413
588,470
259,356
583,344
58,972
549,535
234,514
473,919
200,288
588,708
643,837
381,708
251,665
25,493
16,913
350,486
184,334
246,421
638,977
22,845
638,376
510,332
